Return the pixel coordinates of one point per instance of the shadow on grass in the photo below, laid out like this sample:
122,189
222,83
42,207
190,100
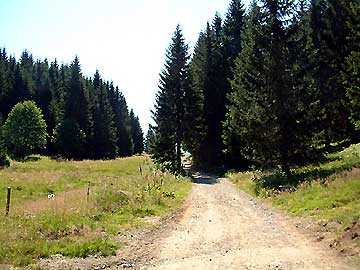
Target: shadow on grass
279,180
31,159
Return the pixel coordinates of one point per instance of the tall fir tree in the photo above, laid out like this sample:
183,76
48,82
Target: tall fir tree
169,111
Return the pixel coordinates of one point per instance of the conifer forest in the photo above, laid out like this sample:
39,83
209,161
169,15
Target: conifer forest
272,86
86,118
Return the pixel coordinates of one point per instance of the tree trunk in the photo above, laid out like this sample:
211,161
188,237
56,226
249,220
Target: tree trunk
286,168
178,157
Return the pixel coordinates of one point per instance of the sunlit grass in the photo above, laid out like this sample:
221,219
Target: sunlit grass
328,191
73,223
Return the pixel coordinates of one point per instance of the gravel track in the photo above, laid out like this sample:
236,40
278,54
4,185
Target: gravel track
224,228
219,227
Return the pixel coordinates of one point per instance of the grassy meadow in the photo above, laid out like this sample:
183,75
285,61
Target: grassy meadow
326,192
52,213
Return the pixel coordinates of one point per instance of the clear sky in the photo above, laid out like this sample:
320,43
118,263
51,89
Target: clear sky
124,39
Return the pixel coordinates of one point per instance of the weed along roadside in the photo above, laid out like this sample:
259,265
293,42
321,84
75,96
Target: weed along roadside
325,197
77,208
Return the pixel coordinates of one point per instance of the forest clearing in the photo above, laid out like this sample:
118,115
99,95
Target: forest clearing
251,158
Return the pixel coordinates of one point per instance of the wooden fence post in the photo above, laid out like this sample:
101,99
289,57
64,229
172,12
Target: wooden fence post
88,193
8,201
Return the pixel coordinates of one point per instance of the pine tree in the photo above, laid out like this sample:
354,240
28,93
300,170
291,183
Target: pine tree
136,133
170,106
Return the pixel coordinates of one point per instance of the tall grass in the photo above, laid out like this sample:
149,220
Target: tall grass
72,223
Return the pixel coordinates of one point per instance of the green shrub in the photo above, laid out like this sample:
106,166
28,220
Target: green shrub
24,130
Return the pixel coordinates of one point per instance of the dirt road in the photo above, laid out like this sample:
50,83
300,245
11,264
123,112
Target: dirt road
224,228
219,227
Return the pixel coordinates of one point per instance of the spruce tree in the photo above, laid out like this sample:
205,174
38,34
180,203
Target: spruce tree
104,139
77,118
204,83
122,122
268,108
329,37
4,82
194,99
232,29
136,133
42,95
149,140
170,106
56,105
213,59
27,70
352,65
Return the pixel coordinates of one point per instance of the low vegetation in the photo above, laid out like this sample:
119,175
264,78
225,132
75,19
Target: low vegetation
51,212
327,192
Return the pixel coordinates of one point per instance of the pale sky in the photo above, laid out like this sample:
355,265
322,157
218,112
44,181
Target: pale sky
124,39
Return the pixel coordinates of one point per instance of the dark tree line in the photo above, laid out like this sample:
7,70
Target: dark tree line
273,86
85,117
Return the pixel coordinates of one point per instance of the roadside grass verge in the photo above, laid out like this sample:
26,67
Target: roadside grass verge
326,192
71,222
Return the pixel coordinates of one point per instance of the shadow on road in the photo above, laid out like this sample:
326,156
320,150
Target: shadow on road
205,180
